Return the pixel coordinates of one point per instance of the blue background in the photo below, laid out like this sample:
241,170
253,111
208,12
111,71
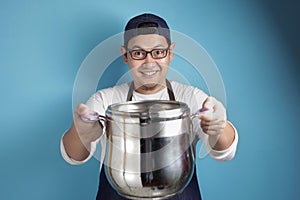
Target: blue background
255,45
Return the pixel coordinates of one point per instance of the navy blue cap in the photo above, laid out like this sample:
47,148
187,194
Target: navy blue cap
146,24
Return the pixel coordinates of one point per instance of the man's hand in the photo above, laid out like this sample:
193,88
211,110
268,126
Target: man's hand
214,123
77,140
88,131
213,119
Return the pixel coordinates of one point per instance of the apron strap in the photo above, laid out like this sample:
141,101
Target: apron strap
168,84
130,92
170,90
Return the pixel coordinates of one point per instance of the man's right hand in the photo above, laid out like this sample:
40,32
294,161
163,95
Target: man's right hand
88,131
77,140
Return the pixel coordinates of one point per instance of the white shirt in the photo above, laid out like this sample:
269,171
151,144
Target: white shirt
190,95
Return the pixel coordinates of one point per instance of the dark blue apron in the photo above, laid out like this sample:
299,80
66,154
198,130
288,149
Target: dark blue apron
191,192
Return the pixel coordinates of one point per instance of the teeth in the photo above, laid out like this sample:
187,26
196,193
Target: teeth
149,73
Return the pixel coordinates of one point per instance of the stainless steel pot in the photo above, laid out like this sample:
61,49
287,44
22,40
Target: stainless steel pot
148,152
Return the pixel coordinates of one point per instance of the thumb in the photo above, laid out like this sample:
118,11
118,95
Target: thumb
209,103
81,109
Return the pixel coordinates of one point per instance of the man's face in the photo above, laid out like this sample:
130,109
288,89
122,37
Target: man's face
149,74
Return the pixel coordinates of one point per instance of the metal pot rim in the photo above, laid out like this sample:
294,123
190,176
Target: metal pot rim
149,109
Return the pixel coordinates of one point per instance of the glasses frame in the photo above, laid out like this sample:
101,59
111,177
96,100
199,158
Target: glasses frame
131,51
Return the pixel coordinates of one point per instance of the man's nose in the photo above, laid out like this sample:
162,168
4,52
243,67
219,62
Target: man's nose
149,58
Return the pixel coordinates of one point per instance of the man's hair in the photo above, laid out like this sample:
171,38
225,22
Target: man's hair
146,24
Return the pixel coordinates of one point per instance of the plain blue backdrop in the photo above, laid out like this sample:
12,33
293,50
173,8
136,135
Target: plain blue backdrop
255,45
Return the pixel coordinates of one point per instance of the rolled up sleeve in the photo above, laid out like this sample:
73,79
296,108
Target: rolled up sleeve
70,160
223,155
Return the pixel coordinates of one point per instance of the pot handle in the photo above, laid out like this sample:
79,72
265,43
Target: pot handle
92,116
201,111
193,116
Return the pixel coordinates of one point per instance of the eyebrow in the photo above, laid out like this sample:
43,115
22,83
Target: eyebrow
139,47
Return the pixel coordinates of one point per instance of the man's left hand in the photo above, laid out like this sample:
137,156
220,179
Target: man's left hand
213,119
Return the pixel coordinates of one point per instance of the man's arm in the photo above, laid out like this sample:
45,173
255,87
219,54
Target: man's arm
220,132
224,140
77,140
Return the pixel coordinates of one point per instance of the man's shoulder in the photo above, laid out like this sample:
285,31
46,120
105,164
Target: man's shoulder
117,91
185,92
182,86
116,88
110,95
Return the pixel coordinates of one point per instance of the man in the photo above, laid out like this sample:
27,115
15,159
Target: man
148,52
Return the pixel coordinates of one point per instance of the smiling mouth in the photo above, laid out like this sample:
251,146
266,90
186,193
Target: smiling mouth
149,73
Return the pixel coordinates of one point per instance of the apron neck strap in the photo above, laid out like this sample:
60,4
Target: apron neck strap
169,87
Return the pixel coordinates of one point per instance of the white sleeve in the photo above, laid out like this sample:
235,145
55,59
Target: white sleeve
223,155
70,160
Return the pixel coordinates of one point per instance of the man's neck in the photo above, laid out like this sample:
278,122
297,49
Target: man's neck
150,89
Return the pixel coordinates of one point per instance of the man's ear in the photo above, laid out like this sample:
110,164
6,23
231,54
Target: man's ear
171,51
124,54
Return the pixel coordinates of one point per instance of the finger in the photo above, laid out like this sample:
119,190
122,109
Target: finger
206,117
213,130
210,117
208,104
220,122
81,109
206,129
213,126
207,109
219,109
216,116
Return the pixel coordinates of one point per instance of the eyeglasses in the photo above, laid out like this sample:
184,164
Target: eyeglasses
140,54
